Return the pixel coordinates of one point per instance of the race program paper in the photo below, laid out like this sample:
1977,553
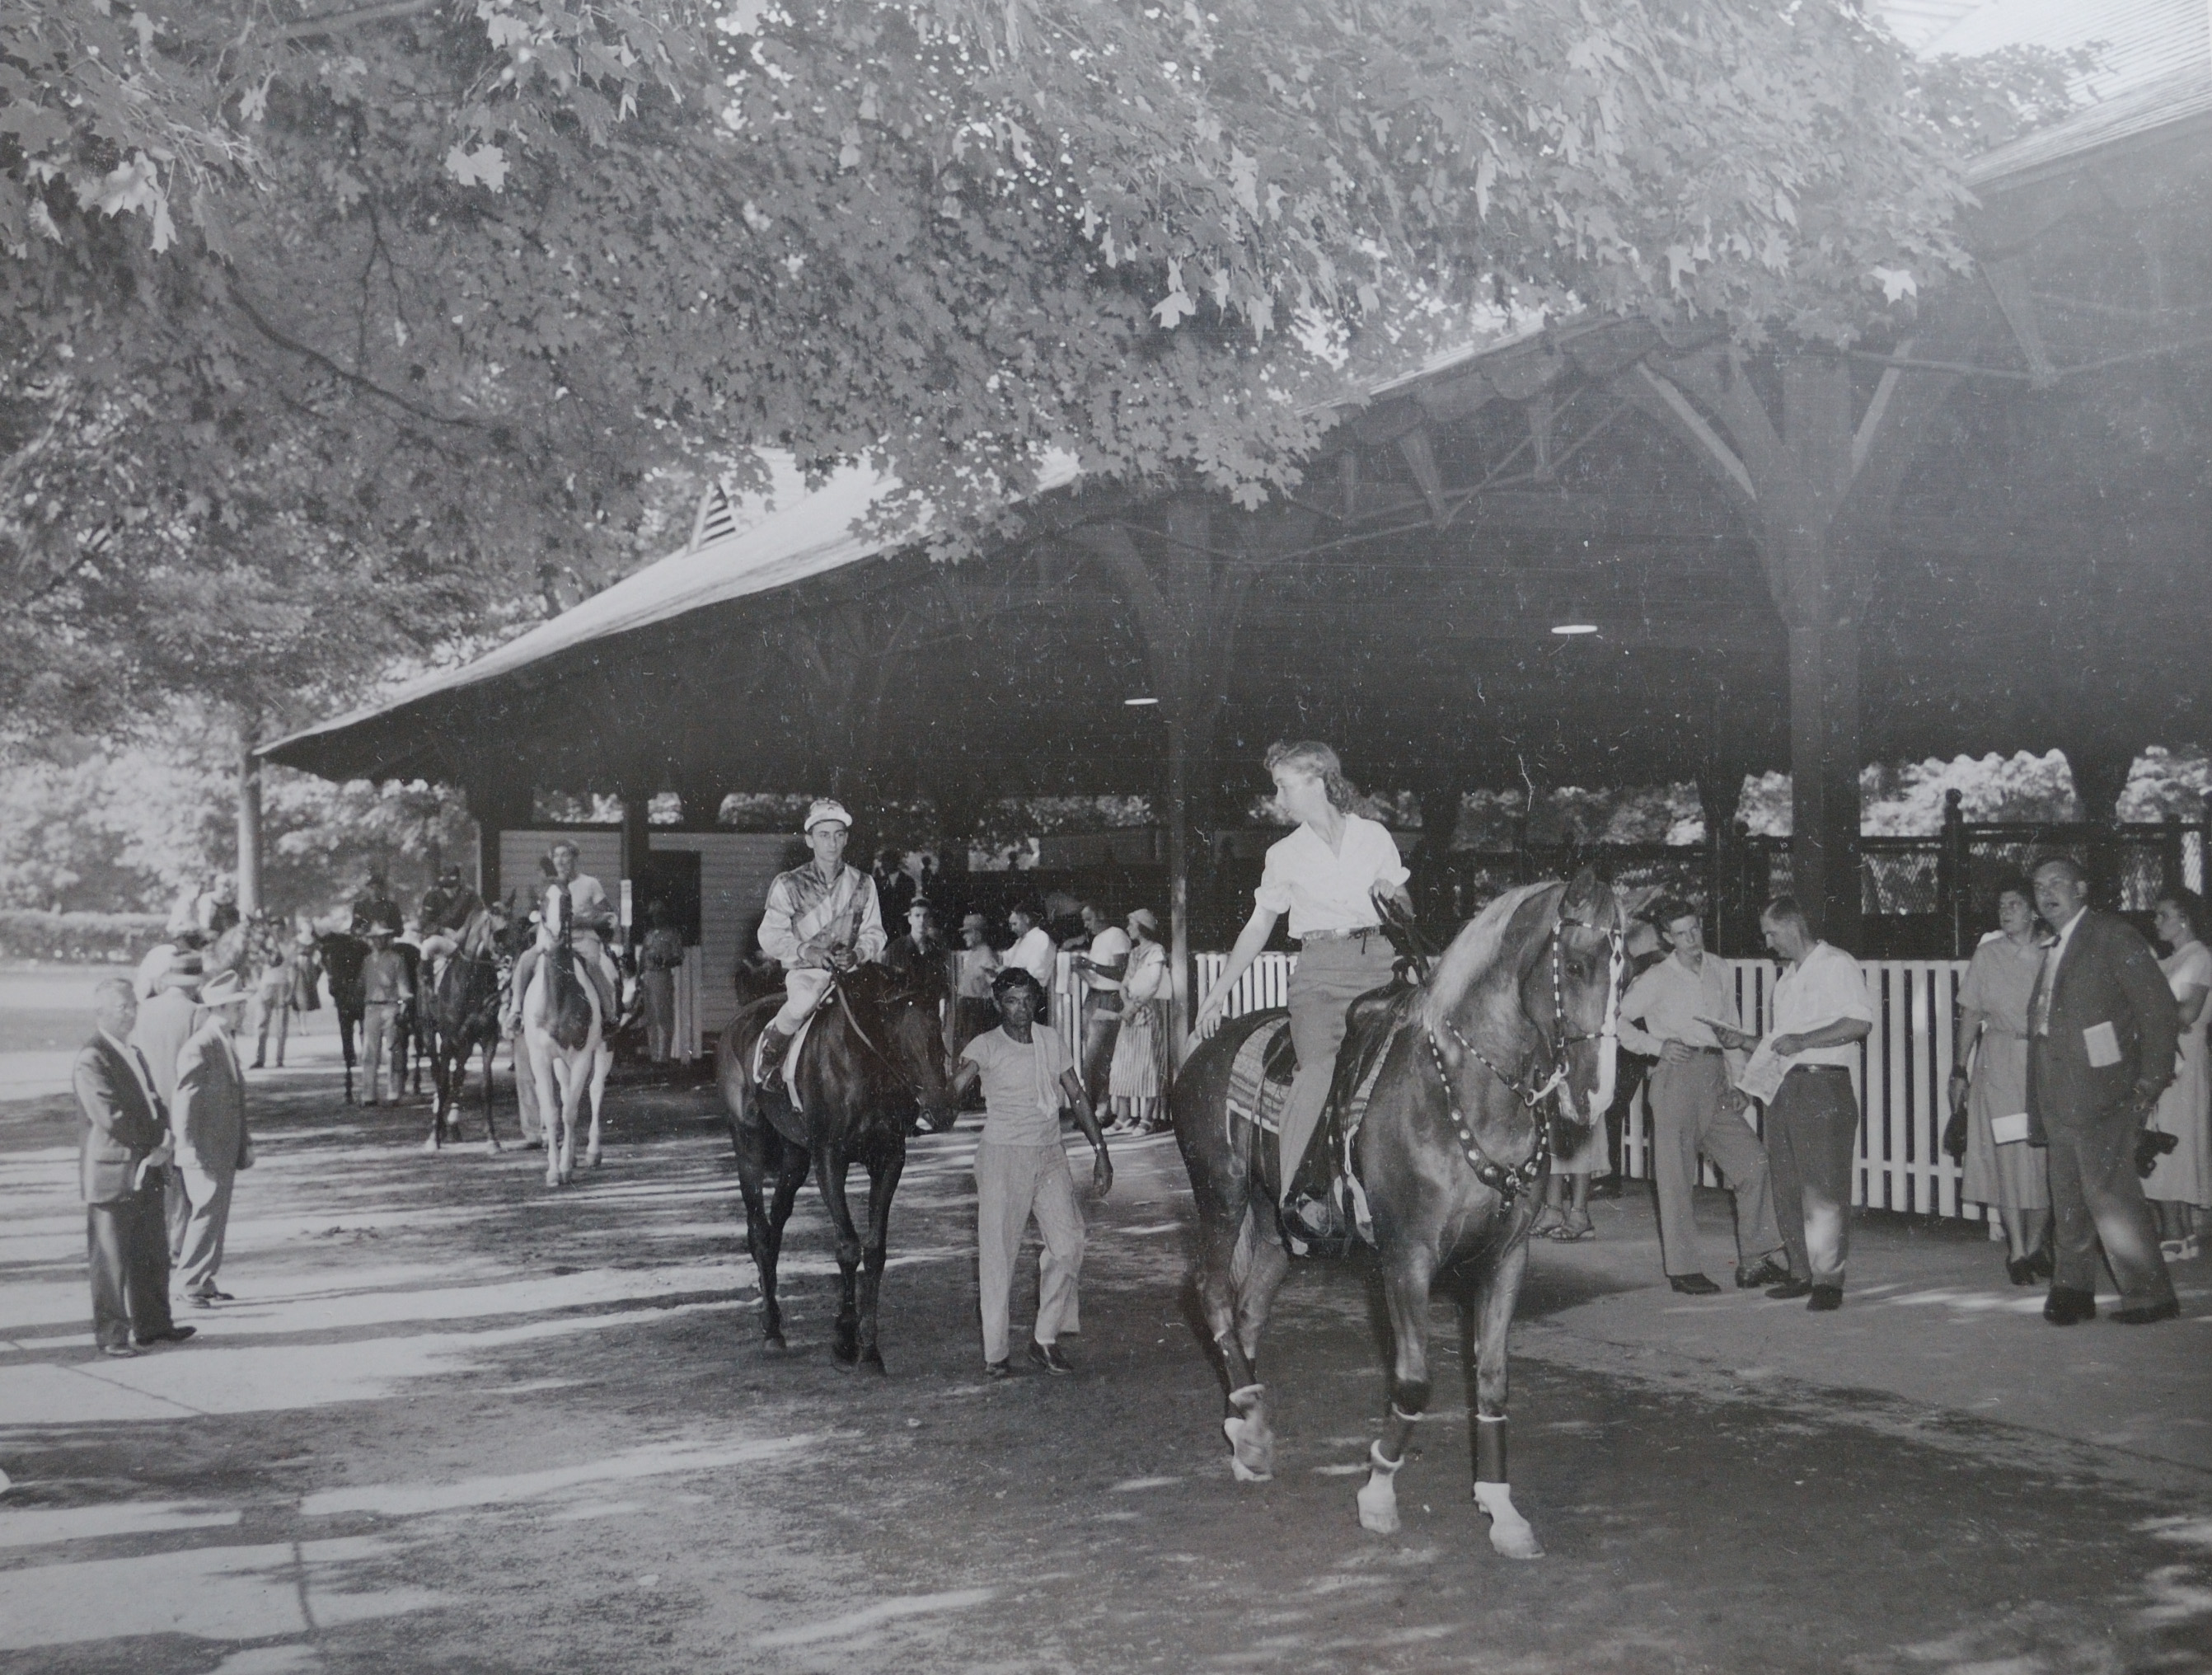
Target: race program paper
1762,1074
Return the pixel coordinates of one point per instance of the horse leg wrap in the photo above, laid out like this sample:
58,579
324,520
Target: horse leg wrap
1490,1448
1378,1498
1251,1442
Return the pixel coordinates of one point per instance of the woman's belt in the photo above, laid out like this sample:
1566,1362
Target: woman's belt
1340,935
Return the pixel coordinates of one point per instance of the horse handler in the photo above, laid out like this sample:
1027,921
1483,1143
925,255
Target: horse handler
1021,1170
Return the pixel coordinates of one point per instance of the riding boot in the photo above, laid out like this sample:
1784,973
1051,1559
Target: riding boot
773,1045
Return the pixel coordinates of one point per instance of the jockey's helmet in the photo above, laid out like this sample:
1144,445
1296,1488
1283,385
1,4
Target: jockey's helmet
827,811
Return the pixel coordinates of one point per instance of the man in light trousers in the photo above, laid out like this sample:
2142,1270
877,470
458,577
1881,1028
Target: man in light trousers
1021,1170
1668,1014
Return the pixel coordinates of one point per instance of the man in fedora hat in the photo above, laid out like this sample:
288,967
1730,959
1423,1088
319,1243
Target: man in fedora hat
822,918
208,1125
166,1021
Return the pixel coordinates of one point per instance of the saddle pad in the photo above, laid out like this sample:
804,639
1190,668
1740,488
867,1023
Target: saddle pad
1260,1076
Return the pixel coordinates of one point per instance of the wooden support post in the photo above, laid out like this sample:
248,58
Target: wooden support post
1186,597
1814,492
1954,884
498,805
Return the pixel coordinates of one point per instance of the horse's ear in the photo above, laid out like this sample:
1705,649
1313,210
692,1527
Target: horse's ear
1584,901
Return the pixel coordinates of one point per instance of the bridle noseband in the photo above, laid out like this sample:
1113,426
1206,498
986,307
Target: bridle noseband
1509,1181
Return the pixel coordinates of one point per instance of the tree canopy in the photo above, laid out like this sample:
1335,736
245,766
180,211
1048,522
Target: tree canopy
335,336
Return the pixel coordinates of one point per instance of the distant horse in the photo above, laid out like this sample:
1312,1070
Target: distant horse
342,955
564,1033
873,1053
461,1008
1521,1010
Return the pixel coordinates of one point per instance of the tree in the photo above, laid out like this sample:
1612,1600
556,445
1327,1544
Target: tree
335,338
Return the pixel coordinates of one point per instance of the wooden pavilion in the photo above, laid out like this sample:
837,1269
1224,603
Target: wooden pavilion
1596,555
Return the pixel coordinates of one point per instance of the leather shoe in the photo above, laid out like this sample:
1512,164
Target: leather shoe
997,1369
1048,1355
118,1351
1825,1298
174,1335
2020,1271
1693,1285
2145,1314
1765,1272
1790,1290
2065,1306
210,1295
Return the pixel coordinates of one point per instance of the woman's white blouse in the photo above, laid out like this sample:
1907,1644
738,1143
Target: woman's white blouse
1324,891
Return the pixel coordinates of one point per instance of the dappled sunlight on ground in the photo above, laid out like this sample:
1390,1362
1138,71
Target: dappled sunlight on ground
456,1420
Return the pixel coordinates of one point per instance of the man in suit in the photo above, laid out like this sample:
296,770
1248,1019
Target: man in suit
2101,1029
121,1170
208,1123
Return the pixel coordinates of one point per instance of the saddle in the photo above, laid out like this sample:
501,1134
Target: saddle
1259,1078
780,1102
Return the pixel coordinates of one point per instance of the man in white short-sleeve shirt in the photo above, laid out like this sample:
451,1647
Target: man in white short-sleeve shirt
1021,1170
1820,1015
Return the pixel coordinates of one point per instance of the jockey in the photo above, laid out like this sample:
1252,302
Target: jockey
373,906
447,907
589,916
822,918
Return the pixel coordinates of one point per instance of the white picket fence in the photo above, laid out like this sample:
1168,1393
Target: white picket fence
1901,1079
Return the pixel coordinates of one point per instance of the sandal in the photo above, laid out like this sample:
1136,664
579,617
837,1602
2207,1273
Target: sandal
1547,1223
1571,1232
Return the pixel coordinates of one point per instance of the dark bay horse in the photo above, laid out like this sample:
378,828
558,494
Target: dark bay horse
342,955
874,1051
461,1008
1520,1011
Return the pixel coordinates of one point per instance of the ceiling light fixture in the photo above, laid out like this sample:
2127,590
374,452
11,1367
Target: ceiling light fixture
1574,628
1139,704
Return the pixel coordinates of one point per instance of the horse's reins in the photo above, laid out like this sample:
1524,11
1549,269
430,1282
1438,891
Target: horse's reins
1509,1181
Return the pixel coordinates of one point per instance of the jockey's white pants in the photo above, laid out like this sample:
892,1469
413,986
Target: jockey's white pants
804,986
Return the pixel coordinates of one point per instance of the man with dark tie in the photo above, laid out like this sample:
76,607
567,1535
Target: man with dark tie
2101,1030
122,1169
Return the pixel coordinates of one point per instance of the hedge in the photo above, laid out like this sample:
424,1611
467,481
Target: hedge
115,938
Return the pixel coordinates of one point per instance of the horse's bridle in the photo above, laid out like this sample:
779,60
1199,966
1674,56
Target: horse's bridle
1509,1181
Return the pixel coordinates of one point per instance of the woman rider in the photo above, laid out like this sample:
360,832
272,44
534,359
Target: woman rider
1326,875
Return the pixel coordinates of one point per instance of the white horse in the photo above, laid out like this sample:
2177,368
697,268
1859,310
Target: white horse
564,1034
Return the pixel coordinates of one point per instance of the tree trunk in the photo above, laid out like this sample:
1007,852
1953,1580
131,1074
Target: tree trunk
249,818
1824,754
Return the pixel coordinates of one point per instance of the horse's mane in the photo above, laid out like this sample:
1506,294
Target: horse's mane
1473,953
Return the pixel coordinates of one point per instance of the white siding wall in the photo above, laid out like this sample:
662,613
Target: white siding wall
735,869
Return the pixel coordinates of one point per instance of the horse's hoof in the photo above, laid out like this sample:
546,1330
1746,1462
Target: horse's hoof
1509,1532
873,1361
774,1341
431,1144
1378,1514
1251,1459
492,1147
591,1159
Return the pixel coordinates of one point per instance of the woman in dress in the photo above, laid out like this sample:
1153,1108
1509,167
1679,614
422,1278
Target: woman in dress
1138,1076
2180,1186
1326,875
2001,1167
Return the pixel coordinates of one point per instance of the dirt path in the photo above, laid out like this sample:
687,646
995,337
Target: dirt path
455,1420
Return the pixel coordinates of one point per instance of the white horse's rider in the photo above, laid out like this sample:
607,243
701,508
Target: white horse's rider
822,918
589,918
